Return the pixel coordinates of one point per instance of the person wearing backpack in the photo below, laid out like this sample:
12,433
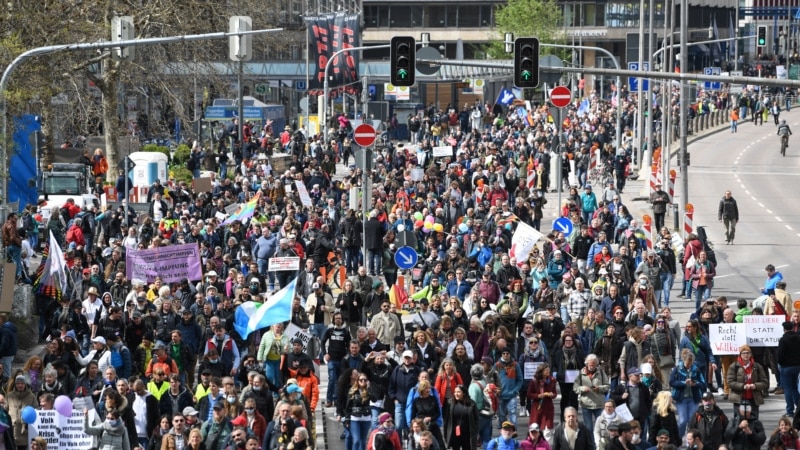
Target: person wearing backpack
121,358
384,437
506,439
482,404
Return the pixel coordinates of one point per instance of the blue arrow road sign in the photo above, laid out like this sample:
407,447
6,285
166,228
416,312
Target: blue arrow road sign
563,225
712,85
633,82
405,258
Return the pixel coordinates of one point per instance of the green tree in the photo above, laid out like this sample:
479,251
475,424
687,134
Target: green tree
528,18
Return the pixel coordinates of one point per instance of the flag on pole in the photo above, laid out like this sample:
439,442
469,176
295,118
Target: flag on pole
252,316
583,109
398,296
508,217
245,210
51,276
522,242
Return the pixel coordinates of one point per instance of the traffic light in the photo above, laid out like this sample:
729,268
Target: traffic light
403,53
526,62
761,38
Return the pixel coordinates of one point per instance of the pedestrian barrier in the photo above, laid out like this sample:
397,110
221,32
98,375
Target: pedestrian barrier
648,230
672,176
688,223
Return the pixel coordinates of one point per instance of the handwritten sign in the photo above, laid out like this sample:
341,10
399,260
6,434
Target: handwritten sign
530,370
47,425
284,263
763,331
417,174
726,338
72,436
295,332
442,151
304,197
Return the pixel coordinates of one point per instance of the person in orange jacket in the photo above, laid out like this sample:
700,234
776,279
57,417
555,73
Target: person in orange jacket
309,382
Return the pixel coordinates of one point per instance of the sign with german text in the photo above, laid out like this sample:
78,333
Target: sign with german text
172,263
764,331
726,338
284,263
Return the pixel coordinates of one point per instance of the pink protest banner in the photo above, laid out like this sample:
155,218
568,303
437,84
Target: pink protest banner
171,263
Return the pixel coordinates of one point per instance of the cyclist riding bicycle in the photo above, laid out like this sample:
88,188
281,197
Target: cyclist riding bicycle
784,131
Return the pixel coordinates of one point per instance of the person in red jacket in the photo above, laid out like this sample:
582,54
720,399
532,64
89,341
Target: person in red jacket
72,208
384,434
497,195
75,234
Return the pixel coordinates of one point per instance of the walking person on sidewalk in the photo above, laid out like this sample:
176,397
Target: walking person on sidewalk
728,214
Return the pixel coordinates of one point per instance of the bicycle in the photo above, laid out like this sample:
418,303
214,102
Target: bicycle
784,144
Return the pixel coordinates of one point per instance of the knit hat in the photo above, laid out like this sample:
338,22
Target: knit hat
384,417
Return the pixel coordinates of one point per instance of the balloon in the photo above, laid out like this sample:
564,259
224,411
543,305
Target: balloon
418,216
463,228
426,230
419,223
430,219
63,405
28,415
437,227
401,228
508,226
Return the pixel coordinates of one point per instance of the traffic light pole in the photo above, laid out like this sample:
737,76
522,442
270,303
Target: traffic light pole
325,88
49,50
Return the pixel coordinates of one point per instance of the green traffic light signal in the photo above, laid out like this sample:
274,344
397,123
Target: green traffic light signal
526,62
761,39
403,58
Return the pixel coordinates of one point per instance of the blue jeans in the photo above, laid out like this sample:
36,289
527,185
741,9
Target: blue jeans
789,383
143,442
733,126
334,370
700,294
667,280
507,410
399,416
15,253
484,429
359,430
742,115
375,413
375,262
351,259
587,216
590,416
318,330
7,362
686,407
263,266
272,370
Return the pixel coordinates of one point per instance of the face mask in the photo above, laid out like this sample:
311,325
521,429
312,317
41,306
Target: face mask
113,423
249,411
645,379
256,388
708,406
636,439
231,399
213,361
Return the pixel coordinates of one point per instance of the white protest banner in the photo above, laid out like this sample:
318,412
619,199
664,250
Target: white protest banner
417,174
284,263
522,242
47,425
295,332
726,338
304,197
442,151
764,331
72,436
530,370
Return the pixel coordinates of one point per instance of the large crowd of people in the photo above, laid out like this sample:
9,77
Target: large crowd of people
580,324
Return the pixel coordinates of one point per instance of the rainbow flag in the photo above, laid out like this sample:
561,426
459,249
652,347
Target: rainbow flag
51,276
508,218
398,296
245,210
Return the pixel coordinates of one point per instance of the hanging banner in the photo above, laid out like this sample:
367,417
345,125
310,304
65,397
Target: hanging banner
327,34
172,263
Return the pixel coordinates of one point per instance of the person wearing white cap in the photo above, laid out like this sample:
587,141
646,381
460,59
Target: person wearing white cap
403,380
99,353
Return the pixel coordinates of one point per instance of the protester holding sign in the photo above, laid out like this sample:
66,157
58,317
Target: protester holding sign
111,433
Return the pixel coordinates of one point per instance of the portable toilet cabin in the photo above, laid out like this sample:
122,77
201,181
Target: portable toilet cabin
149,167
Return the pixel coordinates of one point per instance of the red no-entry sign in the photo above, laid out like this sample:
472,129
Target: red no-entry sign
560,96
364,135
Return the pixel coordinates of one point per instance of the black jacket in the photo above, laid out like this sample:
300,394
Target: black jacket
786,356
584,441
739,440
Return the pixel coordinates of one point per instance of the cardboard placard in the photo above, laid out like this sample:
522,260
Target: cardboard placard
442,151
202,184
726,338
284,263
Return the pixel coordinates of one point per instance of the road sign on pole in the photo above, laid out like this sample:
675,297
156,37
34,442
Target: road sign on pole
712,85
364,135
563,225
633,82
560,96
405,258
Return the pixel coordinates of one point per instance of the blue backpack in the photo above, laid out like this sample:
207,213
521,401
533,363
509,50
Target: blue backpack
116,359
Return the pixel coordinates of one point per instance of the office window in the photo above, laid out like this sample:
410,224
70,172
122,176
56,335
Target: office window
405,16
439,16
376,16
469,16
